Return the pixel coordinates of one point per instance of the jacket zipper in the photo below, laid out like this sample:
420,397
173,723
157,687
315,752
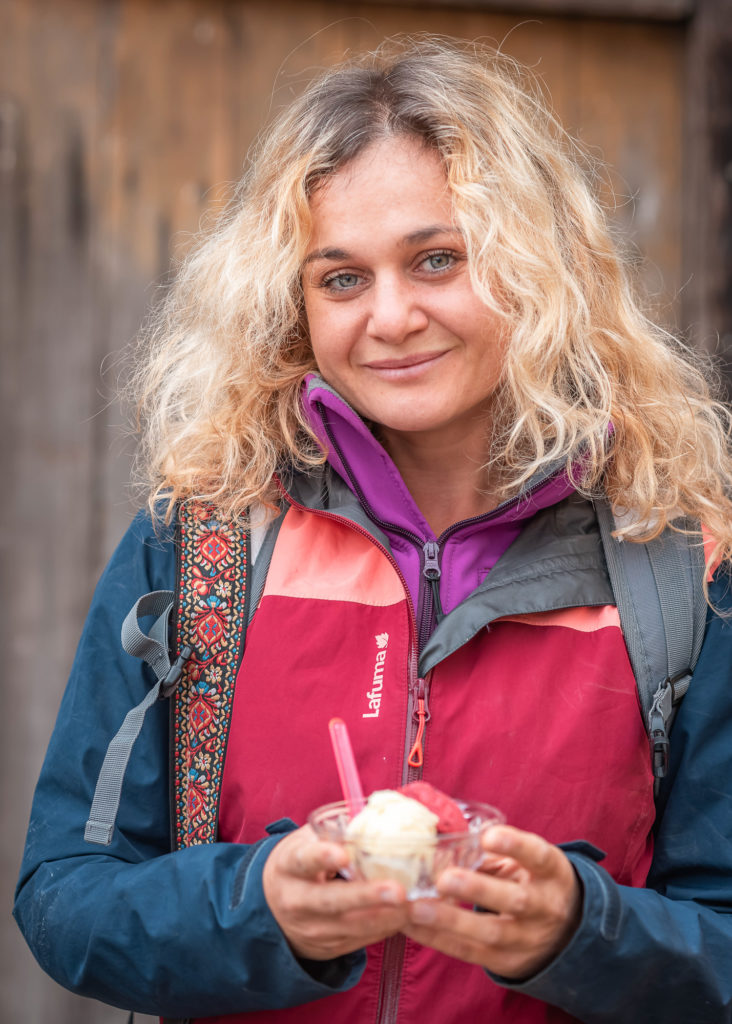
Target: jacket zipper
428,599
393,959
430,607
420,714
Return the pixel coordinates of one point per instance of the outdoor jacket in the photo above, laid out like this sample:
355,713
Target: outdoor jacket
532,707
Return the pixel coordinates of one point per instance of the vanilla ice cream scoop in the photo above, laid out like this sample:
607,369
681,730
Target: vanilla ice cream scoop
393,837
411,839
393,822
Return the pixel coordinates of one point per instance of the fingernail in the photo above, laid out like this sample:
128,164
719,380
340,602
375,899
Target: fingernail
451,885
423,913
495,843
388,896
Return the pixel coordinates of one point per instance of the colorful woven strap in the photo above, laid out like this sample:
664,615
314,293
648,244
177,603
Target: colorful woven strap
210,618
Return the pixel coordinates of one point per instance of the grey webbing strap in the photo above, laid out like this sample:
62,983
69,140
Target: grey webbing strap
260,561
680,594
628,562
659,594
153,649
679,576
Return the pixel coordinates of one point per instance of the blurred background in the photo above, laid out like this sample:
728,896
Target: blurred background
123,123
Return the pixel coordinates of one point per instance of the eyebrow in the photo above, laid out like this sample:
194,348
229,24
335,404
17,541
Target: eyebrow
326,254
424,234
413,238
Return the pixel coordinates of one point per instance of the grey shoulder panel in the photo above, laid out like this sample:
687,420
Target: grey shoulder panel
556,562
260,564
324,490
659,593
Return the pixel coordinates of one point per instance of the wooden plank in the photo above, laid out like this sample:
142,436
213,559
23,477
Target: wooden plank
707,295
53,424
48,426
653,10
633,120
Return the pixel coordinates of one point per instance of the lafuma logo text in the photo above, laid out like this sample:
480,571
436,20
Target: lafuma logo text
374,694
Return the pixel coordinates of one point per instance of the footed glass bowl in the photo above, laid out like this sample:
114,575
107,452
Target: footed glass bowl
413,861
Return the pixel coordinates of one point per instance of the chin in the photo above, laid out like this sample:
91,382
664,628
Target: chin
407,424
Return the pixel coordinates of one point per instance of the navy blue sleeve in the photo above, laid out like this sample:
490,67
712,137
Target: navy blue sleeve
664,953
178,934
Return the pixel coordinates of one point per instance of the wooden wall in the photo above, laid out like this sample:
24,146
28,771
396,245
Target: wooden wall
122,123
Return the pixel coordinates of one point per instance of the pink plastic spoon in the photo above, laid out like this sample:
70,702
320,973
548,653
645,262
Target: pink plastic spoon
346,762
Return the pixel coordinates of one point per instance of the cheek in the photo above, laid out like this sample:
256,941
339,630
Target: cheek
331,331
311,312
494,338
330,357
317,328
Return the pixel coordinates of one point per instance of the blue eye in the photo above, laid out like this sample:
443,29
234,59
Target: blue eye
437,261
341,282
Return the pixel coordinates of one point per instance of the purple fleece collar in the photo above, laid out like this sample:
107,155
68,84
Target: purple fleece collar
468,553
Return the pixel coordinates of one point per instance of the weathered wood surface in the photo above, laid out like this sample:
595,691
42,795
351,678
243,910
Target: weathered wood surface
661,10
121,124
707,236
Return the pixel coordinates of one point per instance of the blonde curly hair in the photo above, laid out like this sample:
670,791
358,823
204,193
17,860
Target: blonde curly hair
224,359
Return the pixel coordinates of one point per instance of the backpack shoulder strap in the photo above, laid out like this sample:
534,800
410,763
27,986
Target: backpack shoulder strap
210,619
152,648
210,606
658,587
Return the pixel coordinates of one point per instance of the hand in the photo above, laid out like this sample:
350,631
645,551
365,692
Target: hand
533,896
322,916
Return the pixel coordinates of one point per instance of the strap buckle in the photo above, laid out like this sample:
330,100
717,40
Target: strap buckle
658,716
660,744
668,694
169,683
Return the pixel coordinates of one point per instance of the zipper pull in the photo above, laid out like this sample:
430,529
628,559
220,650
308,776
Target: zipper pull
431,569
432,572
422,714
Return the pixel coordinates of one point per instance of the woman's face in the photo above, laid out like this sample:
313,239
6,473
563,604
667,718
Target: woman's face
395,325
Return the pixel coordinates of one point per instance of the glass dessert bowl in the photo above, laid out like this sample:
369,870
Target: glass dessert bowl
399,838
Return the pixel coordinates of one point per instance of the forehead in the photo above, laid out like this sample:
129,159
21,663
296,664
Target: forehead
396,183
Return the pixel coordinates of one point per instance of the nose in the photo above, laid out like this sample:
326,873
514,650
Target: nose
396,311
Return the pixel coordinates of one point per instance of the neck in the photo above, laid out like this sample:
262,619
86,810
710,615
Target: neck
448,481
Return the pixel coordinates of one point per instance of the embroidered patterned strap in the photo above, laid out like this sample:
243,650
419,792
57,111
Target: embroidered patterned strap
211,613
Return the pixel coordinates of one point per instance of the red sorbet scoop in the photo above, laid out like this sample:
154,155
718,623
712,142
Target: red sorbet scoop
450,815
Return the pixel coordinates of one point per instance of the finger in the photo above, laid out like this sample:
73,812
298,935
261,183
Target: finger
337,898
499,895
332,918
500,867
531,851
506,956
372,924
309,858
326,938
459,932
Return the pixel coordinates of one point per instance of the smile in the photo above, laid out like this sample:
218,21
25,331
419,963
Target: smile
407,366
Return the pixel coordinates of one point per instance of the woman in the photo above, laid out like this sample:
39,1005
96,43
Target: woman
411,357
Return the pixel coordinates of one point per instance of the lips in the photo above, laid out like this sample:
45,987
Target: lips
406,362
